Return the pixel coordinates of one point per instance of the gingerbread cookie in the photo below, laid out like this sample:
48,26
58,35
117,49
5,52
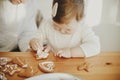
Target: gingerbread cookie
47,66
2,76
11,69
83,66
20,61
28,72
41,54
4,60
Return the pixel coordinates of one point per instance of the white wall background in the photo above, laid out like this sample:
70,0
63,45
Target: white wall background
109,11
109,37
104,14
93,12
45,7
118,15
109,27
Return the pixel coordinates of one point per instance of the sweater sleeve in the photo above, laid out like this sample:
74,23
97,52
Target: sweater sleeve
90,42
29,32
43,31
29,26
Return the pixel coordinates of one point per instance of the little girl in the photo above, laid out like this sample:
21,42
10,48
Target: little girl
66,33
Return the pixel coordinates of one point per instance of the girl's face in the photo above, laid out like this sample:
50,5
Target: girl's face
67,28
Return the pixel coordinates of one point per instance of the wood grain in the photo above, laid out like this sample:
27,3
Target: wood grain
105,66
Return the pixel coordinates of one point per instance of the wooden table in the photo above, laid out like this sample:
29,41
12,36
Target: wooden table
105,66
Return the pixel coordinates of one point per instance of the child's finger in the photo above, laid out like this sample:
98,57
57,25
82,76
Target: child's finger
40,45
62,54
55,54
47,48
34,47
59,53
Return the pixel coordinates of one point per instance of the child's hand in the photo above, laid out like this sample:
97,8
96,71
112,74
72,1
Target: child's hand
16,2
66,53
35,44
46,48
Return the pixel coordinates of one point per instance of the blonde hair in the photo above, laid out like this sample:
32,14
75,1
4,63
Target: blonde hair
68,9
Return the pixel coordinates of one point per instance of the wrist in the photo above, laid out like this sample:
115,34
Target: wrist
77,52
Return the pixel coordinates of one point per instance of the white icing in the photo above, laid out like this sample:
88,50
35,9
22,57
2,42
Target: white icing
41,54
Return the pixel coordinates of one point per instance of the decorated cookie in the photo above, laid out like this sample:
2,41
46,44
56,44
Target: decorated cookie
28,72
11,69
41,55
47,66
20,61
4,60
2,76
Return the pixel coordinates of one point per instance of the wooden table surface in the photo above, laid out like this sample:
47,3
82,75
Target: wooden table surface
105,66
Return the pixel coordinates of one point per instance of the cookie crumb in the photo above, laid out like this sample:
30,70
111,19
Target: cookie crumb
108,63
83,66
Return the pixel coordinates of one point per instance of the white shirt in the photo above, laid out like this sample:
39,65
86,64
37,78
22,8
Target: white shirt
84,37
17,24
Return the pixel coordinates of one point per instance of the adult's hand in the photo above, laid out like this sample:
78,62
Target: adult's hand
16,2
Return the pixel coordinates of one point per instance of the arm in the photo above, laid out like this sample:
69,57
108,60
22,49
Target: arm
40,41
90,46
29,25
90,43
29,32
77,52
29,28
